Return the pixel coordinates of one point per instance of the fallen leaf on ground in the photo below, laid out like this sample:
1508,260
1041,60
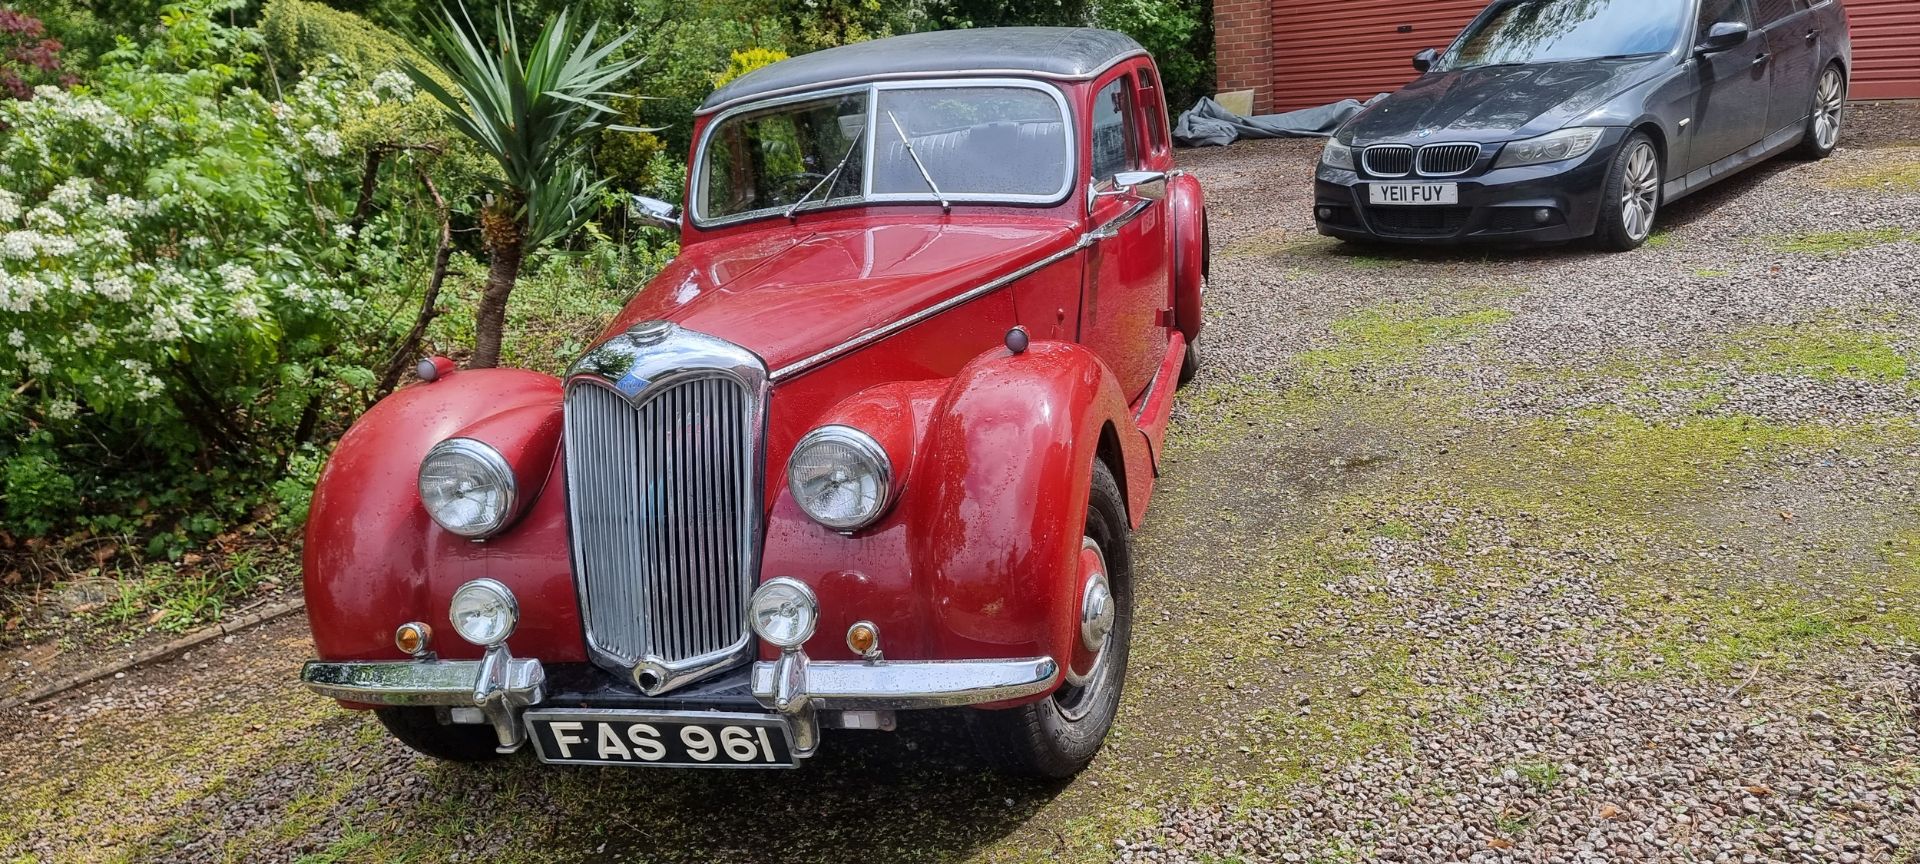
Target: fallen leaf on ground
1500,843
1760,790
1608,811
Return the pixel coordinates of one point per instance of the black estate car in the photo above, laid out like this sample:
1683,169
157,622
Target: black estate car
1555,120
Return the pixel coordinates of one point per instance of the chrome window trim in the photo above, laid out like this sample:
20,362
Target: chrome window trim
807,364
697,178
1027,74
1366,159
1419,158
656,356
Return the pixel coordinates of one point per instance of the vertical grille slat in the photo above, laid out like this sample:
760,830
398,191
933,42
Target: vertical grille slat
661,495
1388,160
1446,160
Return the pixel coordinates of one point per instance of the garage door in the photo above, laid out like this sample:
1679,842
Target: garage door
1886,48
1326,50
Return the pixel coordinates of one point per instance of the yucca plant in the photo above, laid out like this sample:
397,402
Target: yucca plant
534,114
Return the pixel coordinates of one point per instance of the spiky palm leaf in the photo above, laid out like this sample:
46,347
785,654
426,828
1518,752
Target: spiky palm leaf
531,113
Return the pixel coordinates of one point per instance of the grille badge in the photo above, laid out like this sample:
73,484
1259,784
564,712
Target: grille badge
650,332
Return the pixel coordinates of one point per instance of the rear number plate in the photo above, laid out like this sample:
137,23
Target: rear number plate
1413,193
679,739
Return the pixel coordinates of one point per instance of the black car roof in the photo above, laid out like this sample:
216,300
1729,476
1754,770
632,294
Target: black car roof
1048,52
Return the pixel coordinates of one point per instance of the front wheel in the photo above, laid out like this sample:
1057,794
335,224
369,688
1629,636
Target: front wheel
1823,122
1057,736
1631,197
421,729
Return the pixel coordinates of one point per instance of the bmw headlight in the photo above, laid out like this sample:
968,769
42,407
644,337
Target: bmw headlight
1337,155
841,477
783,612
467,487
484,612
1551,147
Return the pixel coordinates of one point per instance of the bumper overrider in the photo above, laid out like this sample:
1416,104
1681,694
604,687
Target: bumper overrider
806,695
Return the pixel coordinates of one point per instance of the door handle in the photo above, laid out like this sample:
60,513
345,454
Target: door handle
1762,59
1813,35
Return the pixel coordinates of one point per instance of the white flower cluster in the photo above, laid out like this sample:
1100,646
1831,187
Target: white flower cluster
105,279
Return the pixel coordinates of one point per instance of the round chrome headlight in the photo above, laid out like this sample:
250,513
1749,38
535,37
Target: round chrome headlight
841,477
783,612
484,612
467,487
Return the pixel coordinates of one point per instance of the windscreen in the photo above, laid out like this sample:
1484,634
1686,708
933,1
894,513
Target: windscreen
771,159
1537,31
984,141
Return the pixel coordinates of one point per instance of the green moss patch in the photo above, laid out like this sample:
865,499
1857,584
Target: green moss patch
1827,243
1824,351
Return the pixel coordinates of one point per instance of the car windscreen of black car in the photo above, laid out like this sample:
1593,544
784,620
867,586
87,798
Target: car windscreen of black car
1540,31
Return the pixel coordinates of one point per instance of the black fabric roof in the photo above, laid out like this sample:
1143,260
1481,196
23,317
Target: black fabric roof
1051,52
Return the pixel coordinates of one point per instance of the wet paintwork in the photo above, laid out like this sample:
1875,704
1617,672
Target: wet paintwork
977,557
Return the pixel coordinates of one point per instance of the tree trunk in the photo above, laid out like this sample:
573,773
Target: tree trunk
429,304
491,319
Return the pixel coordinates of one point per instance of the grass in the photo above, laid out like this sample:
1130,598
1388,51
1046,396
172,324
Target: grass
1823,351
1385,335
1828,243
1891,169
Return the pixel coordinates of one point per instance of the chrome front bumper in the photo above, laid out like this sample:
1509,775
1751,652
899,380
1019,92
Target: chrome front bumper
497,684
502,687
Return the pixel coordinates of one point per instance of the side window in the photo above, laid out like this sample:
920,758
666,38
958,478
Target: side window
1770,11
1154,110
1721,12
1114,137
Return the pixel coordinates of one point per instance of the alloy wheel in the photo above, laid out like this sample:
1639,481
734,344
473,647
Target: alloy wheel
1640,192
1828,105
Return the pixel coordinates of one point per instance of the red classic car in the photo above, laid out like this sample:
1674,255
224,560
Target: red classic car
874,442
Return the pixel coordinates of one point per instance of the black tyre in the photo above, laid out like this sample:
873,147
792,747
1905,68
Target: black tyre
1824,117
1190,366
421,729
1630,200
1057,736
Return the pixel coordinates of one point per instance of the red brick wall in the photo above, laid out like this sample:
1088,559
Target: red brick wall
1243,48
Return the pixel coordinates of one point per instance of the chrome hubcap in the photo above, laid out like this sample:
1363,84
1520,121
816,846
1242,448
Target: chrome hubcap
1096,635
1640,192
1828,105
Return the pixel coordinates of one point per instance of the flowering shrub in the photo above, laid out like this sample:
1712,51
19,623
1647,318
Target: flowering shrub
181,286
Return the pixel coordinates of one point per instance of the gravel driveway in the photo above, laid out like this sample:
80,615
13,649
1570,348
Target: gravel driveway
1489,555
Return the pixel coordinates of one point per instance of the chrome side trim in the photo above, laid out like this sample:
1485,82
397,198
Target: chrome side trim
916,76
1111,228
499,685
793,683
807,364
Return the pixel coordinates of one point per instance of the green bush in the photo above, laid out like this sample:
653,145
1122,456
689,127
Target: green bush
1179,33
182,293
302,35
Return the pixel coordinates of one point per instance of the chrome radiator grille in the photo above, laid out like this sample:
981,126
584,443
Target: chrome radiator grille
1441,160
665,522
1388,160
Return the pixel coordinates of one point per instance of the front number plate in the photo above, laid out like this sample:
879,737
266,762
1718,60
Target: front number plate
1413,193
677,739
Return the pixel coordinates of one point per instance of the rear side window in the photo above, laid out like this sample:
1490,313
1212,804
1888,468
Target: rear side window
1770,11
1721,12
1114,135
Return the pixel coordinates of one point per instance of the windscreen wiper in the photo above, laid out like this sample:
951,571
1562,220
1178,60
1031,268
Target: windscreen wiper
917,163
827,181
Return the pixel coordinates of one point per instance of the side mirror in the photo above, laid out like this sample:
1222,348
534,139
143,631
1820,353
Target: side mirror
656,213
1424,60
1723,36
1127,184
